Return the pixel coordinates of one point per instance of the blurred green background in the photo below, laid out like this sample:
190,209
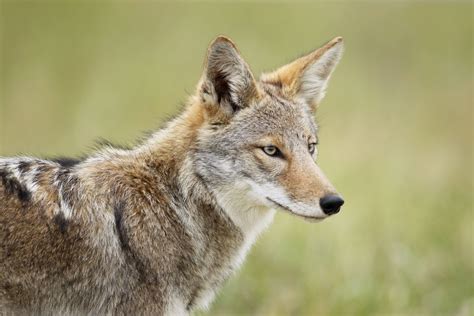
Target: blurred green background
396,133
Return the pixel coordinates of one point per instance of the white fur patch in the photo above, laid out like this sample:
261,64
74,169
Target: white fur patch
176,306
244,208
65,208
205,298
247,212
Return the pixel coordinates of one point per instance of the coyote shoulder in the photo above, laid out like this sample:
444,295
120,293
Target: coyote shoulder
157,229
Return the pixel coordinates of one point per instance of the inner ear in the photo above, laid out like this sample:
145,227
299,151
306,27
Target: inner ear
228,84
307,77
223,91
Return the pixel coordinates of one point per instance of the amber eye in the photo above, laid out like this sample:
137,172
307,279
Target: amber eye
311,148
271,151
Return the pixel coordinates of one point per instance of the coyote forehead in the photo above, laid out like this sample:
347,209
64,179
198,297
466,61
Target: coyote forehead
156,229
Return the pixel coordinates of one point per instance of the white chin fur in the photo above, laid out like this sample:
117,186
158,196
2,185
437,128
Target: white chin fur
275,196
248,212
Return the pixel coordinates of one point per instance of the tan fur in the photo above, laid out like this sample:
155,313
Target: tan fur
304,181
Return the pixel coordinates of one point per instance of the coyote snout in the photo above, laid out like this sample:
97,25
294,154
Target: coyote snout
305,191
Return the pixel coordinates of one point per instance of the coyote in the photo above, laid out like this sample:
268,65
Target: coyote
156,229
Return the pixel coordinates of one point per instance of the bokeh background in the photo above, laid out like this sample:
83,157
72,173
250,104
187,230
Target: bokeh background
396,132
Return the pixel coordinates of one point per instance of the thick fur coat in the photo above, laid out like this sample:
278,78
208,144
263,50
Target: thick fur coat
157,229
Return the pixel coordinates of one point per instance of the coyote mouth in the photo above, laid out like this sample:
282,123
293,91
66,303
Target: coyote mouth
289,210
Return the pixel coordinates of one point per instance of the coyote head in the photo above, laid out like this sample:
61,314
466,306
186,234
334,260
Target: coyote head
258,146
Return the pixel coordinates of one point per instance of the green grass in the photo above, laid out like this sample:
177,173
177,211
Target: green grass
396,133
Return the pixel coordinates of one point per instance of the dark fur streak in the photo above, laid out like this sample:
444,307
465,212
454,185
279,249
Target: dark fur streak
24,166
119,227
67,162
23,194
13,186
43,168
62,222
141,268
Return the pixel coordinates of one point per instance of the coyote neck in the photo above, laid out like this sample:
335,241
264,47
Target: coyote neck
177,138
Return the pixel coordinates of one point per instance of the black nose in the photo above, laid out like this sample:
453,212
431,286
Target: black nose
331,204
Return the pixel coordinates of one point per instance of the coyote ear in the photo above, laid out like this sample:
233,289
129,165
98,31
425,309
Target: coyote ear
227,84
307,77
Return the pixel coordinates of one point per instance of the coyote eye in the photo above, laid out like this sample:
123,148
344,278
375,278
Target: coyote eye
271,151
311,148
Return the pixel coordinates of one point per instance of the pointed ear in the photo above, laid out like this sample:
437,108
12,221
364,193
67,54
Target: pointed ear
227,85
308,76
